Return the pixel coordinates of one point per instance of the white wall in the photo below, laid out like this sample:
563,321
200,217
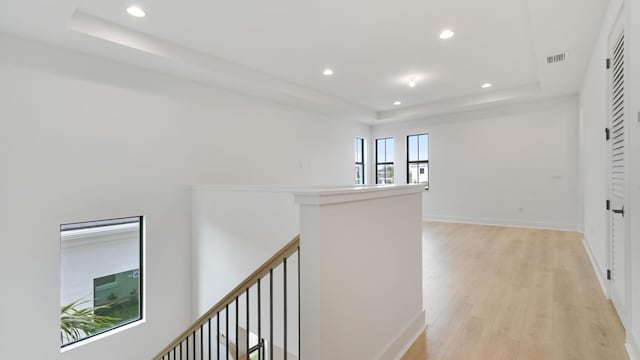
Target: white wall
235,230
593,120
85,139
515,165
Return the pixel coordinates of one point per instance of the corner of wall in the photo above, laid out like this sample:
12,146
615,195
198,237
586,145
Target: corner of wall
401,344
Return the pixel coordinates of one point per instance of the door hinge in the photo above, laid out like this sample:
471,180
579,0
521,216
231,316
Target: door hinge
608,274
608,204
607,134
608,63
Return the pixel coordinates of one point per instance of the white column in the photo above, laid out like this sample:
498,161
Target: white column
361,271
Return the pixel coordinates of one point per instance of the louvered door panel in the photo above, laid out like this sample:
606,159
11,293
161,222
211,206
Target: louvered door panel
618,175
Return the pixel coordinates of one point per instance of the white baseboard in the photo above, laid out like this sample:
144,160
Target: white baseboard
504,222
633,345
596,268
401,344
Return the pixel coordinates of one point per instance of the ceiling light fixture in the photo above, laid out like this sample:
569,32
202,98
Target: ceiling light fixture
397,102
486,85
446,34
327,72
413,82
136,11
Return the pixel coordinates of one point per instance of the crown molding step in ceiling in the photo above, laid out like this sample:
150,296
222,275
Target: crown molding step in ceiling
369,61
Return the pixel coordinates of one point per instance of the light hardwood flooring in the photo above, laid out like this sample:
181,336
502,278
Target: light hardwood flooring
508,293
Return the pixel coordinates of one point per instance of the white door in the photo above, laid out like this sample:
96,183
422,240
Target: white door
618,172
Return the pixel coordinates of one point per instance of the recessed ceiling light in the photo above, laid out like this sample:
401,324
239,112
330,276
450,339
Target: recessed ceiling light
397,102
446,34
327,72
413,82
136,11
486,85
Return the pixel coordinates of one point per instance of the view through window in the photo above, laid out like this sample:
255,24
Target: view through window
384,161
418,159
359,147
101,277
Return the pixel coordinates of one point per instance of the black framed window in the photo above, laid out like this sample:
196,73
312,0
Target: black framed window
101,271
384,161
418,159
359,148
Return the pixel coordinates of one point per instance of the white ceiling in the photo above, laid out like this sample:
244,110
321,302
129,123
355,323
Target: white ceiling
277,49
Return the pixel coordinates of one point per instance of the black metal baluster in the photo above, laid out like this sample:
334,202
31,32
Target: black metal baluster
270,314
226,333
218,335
209,344
237,342
187,349
181,350
259,321
284,279
299,306
201,337
247,332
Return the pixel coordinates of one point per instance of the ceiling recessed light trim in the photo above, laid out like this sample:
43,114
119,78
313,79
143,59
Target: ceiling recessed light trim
486,85
446,34
136,11
327,72
397,102
413,82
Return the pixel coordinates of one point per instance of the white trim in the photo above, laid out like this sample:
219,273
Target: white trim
286,188
362,193
102,335
401,344
322,195
632,345
503,222
596,267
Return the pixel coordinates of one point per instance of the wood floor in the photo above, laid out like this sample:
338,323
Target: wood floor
507,293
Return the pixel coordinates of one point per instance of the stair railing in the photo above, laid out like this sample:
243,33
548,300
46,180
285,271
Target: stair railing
205,339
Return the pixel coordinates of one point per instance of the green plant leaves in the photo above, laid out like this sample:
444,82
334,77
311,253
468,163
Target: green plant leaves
77,322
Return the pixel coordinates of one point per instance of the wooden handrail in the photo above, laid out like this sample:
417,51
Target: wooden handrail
252,279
